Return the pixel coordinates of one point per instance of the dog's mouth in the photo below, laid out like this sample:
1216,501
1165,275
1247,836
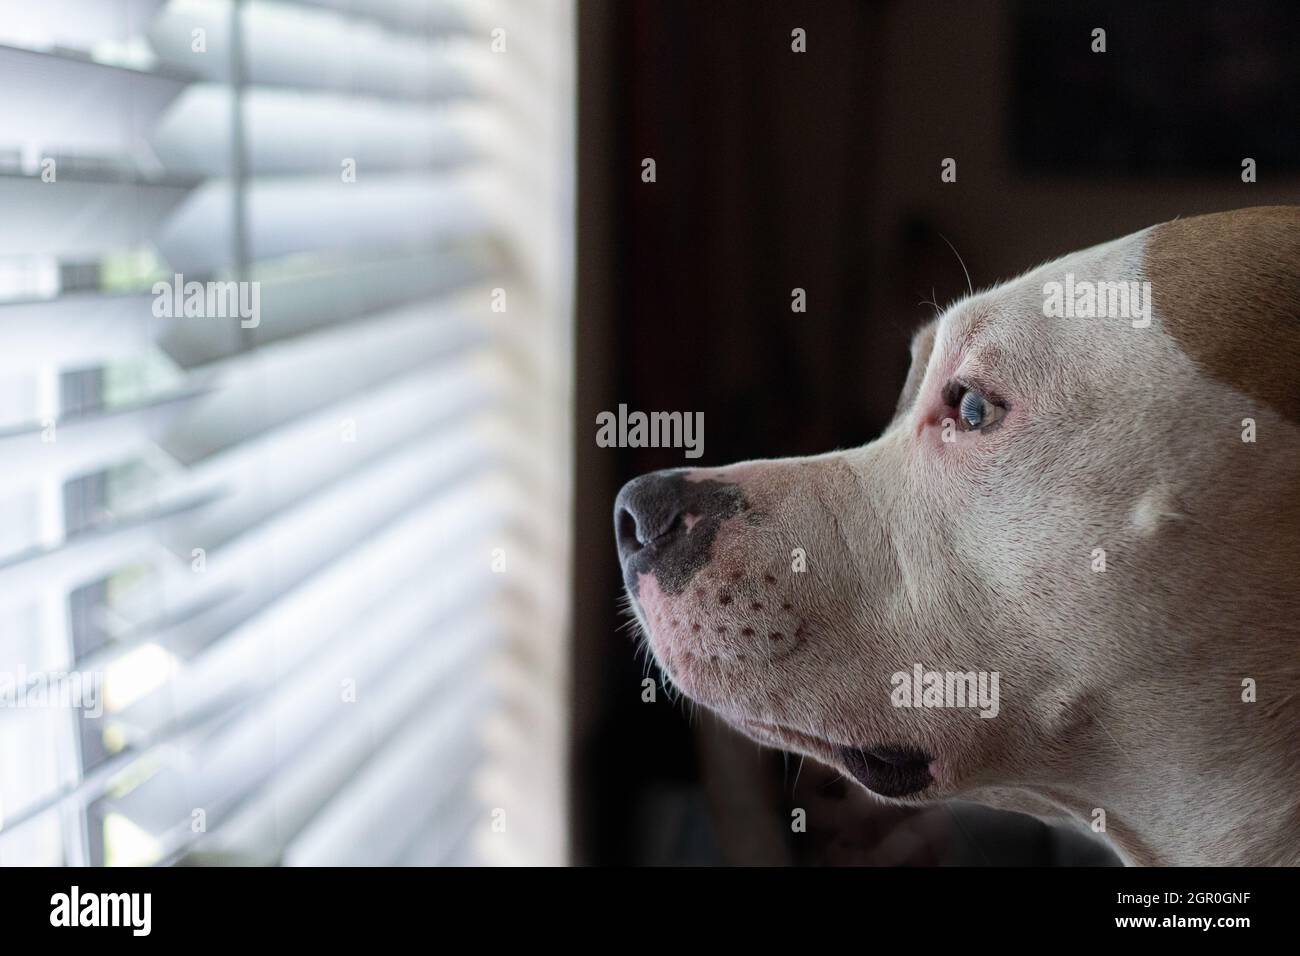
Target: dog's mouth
890,770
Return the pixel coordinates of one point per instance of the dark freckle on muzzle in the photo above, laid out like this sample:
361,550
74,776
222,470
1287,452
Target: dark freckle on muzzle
666,524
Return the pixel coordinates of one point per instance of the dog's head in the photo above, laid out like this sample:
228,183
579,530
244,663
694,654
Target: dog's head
1059,575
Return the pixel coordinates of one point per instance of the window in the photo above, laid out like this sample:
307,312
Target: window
284,410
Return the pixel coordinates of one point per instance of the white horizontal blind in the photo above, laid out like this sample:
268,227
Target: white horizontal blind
311,554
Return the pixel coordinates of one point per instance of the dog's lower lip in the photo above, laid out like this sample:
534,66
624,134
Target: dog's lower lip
897,756
889,770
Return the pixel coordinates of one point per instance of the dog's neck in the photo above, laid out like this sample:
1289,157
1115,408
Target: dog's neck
1231,801
1209,772
1198,764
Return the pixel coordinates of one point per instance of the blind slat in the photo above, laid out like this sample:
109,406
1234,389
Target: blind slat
272,815
61,448
277,384
62,106
302,215
306,48
326,293
301,549
81,221
287,131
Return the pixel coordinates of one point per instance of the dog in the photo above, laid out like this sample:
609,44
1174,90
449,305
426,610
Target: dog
1089,514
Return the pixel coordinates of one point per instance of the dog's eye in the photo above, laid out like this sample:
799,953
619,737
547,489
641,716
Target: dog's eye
977,412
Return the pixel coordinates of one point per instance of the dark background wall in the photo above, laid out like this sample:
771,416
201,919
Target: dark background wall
821,170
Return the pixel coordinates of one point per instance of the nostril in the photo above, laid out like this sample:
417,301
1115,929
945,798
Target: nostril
628,540
637,533
648,513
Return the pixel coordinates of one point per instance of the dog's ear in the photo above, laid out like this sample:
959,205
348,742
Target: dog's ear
1227,288
922,346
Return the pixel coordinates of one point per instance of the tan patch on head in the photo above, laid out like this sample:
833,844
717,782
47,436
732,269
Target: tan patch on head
1227,287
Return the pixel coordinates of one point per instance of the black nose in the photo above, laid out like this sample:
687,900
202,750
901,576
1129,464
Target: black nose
665,523
648,511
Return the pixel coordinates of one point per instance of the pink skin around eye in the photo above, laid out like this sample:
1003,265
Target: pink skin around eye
932,407
940,419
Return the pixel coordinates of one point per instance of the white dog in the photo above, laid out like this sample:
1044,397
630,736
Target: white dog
1065,579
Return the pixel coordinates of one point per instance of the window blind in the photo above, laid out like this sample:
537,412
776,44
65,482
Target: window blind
284,410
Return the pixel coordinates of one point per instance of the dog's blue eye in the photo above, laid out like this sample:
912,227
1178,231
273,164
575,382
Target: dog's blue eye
973,410
976,412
